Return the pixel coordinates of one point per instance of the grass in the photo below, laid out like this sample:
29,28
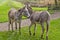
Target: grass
42,9
54,33
39,9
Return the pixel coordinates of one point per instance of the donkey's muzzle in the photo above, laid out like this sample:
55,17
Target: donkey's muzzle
28,17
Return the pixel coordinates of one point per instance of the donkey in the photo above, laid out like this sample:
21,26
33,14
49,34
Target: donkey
16,16
39,17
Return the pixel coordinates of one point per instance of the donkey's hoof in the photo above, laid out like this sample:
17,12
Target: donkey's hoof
46,37
33,34
42,37
30,34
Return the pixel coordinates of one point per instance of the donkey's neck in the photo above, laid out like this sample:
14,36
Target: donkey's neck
30,10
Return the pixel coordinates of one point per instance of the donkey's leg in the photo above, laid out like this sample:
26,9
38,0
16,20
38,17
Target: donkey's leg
20,27
12,25
42,32
15,25
9,26
29,28
34,29
47,30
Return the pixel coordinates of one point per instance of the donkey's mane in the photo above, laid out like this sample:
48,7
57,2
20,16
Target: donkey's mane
21,9
30,9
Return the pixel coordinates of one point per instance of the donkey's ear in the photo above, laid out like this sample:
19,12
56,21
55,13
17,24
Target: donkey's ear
25,6
19,9
29,5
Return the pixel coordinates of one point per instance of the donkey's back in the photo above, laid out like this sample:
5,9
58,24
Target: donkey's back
44,16
12,12
40,16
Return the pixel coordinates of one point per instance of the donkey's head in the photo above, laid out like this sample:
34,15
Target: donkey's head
22,11
26,11
29,8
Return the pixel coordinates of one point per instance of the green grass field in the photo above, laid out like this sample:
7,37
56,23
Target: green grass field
54,33
54,29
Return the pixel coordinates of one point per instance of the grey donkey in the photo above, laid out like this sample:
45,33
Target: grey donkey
40,17
16,16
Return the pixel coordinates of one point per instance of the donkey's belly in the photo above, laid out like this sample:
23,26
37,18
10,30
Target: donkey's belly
37,20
